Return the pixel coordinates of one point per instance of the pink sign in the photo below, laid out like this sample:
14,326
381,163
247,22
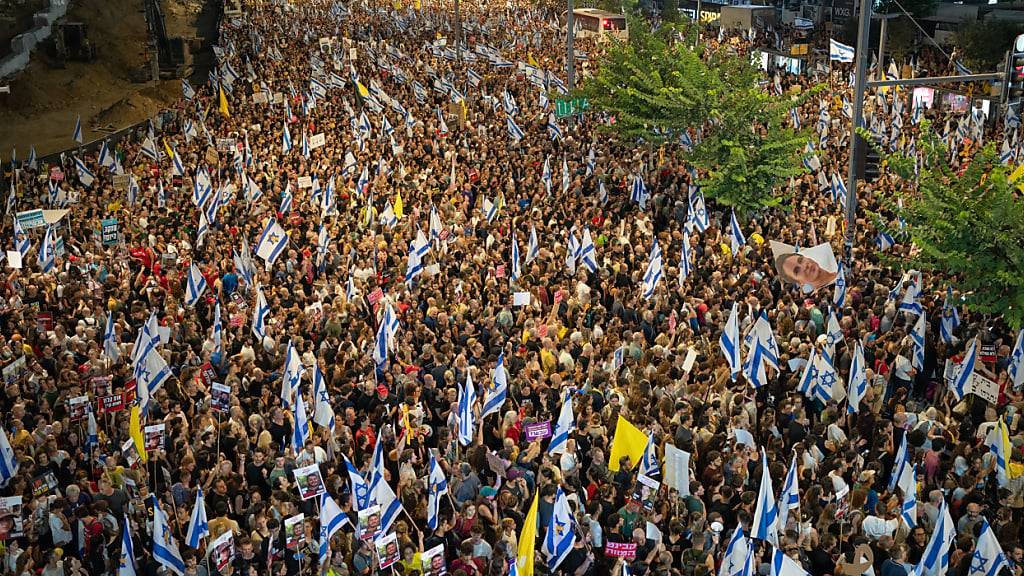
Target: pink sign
620,549
537,430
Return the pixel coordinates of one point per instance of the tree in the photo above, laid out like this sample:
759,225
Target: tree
657,87
982,45
902,38
969,226
670,10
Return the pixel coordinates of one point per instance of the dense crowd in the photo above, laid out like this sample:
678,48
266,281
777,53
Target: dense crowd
458,265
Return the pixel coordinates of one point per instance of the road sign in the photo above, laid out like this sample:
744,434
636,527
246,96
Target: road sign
565,108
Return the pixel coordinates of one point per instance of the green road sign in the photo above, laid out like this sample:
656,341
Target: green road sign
565,108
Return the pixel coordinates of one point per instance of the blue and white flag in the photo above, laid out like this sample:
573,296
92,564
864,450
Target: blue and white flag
165,549
1015,368
272,241
437,486
565,426
85,176
497,392
198,527
196,286
858,379
554,130
839,297
765,525
517,271
533,249
730,343
783,565
76,135
840,52
588,252
884,241
300,427
699,218
360,488
21,242
331,520
736,238
736,553
935,559
514,131
546,175
655,269
565,175
902,469
908,509
964,377
638,192
110,347
286,139
186,90
47,257
126,563
291,376
685,259
591,161
8,461
950,320
762,349
833,336
323,412
649,460
789,499
467,398
988,558
560,537
917,337
260,313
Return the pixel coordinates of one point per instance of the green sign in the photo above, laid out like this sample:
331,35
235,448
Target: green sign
565,108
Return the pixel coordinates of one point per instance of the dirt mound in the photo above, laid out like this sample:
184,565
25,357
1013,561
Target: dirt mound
44,101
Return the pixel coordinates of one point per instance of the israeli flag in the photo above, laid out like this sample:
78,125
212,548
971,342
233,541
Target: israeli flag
126,563
917,337
165,549
259,316
286,139
546,175
839,296
699,218
654,271
437,486
380,343
950,318
884,241
364,181
649,461
360,489
8,462
588,252
300,429
902,473
638,192
935,560
553,129
85,176
77,134
196,286
839,52
765,525
736,237
685,260
331,520
794,116
21,241
565,425
291,376
565,175
106,158
783,565
516,270
497,392
591,162
602,193
730,343
47,258
1016,366
908,510
467,398
989,559
965,374
858,379
533,248
198,527
560,537
413,265
272,241
735,554
789,499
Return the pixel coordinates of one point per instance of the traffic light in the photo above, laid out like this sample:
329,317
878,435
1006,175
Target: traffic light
1015,72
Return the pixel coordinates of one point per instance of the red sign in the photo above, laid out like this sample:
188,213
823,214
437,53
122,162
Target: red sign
500,271
376,296
110,404
620,550
559,295
44,321
236,321
130,391
56,174
542,330
207,373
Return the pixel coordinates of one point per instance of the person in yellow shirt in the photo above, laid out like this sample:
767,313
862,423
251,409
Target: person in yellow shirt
548,360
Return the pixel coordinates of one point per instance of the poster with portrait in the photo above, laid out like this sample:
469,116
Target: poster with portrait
369,523
78,408
220,398
222,550
309,481
387,550
154,436
11,523
432,561
294,534
809,269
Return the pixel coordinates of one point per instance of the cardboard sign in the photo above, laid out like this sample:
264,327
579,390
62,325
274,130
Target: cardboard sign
376,296
368,527
499,272
984,388
387,550
44,321
260,98
222,550
121,182
987,353
110,404
559,295
317,140
537,430
305,182
43,484
78,407
521,299
620,550
293,532
220,398
14,370
110,234
207,373
309,481
154,436
211,155
226,144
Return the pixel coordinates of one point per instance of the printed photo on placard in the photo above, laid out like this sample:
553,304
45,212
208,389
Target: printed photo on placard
294,533
78,408
222,550
309,481
154,436
387,550
220,397
432,561
810,269
369,522
11,523
43,483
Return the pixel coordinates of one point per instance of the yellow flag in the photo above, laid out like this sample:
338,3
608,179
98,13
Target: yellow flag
530,60
416,4
135,431
628,441
363,92
1013,469
224,104
170,153
528,539
398,4
398,207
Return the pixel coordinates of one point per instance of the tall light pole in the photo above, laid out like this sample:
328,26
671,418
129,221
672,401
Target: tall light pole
856,142
458,32
570,58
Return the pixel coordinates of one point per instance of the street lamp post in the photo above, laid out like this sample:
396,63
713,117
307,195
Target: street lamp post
856,142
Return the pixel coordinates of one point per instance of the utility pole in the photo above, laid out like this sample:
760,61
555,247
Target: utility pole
698,21
857,144
570,35
883,29
458,31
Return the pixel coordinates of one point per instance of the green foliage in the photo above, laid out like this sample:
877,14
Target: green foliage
670,10
901,38
657,87
969,226
983,44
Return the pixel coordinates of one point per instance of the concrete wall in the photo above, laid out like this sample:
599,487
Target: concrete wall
23,44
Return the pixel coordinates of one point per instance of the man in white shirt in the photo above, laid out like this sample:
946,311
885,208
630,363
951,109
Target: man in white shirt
876,526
